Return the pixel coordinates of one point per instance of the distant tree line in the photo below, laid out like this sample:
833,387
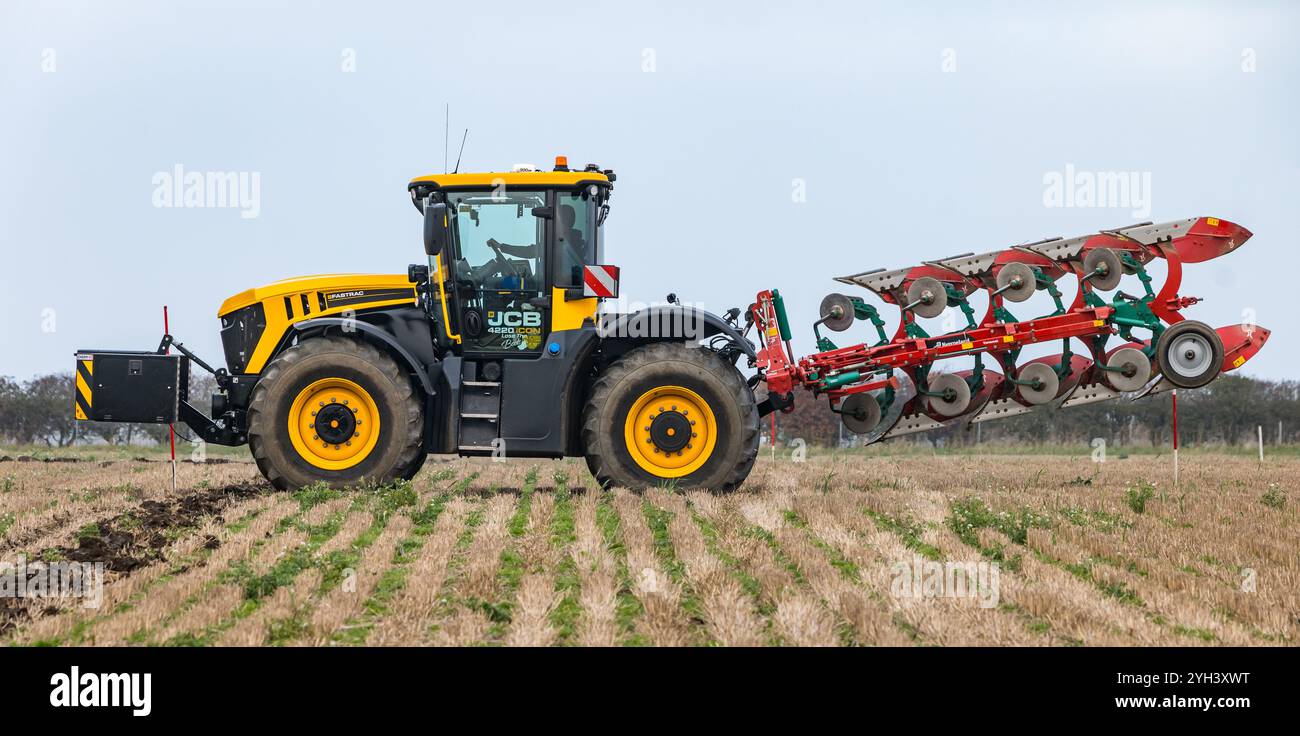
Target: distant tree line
40,412
1227,412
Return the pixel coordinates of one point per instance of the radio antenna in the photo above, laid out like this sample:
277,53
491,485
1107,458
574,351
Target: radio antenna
462,151
446,122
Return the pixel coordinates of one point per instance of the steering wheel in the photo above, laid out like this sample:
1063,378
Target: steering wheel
510,266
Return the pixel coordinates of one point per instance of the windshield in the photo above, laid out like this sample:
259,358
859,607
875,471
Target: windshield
501,242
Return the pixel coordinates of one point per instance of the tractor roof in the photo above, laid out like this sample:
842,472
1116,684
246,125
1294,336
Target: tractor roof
490,179
522,175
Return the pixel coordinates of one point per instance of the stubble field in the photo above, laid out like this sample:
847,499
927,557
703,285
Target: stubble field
846,549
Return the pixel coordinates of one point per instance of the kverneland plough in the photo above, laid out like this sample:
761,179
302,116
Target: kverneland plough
894,386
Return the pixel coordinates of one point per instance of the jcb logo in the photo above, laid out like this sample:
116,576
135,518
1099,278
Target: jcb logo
515,319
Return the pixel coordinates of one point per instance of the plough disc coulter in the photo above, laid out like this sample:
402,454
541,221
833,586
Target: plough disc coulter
913,381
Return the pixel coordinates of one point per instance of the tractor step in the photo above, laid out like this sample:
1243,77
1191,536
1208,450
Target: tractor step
480,411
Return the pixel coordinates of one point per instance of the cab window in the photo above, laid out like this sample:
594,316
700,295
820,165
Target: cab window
575,235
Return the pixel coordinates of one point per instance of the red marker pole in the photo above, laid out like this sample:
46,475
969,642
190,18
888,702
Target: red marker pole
171,428
1174,405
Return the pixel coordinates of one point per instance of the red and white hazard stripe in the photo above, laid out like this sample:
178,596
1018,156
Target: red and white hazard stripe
600,281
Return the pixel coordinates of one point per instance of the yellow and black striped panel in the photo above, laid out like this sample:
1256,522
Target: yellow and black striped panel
85,397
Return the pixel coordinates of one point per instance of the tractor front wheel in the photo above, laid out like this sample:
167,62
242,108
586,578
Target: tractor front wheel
670,412
337,411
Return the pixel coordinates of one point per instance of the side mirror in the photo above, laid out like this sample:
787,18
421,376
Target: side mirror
437,227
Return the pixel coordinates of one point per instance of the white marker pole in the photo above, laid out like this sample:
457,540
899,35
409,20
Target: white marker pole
1260,428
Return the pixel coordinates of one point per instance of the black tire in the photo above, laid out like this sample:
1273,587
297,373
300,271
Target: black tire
617,390
399,445
1189,353
414,469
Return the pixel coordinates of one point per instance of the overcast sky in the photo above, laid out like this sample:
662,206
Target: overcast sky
757,144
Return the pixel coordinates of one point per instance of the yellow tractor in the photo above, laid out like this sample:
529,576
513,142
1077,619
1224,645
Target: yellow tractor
495,347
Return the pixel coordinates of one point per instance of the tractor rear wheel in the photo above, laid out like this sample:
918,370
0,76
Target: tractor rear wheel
337,411
670,412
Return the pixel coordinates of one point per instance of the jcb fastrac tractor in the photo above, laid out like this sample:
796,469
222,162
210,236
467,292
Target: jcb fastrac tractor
497,347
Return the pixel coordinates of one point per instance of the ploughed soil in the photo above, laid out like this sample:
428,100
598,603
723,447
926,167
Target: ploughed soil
106,463
136,538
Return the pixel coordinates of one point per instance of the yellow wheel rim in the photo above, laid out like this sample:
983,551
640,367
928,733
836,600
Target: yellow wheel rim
670,431
334,424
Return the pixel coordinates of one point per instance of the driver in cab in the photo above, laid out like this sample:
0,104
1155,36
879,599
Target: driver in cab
569,238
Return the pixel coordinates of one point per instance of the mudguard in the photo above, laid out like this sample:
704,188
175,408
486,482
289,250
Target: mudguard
671,322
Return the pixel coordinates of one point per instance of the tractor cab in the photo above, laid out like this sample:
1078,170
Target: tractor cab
504,291
507,253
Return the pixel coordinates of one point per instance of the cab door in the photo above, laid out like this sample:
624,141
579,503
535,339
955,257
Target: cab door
499,268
